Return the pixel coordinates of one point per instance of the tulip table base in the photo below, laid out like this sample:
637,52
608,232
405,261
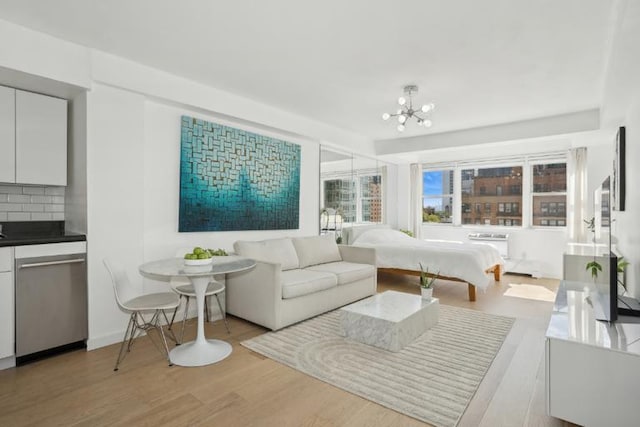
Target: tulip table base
200,352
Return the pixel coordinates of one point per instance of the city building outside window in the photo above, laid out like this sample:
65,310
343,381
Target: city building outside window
357,197
486,186
437,196
549,194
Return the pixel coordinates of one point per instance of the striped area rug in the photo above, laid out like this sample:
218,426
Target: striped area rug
433,379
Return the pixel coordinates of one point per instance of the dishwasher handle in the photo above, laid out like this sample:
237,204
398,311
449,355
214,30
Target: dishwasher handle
44,264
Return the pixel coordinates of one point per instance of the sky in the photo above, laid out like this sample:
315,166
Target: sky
432,182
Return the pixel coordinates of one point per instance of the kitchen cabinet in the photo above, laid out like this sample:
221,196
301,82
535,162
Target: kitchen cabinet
7,134
41,139
6,303
33,138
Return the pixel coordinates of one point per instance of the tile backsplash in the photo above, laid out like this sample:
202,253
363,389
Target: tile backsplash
31,203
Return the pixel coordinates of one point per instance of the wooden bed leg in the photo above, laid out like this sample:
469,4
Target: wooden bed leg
472,292
496,273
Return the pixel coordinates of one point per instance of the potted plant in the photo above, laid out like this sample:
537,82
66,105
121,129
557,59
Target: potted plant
426,283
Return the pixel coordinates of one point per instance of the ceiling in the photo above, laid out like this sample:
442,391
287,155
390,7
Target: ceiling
345,62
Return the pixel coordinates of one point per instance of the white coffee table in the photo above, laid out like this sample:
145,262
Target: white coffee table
390,320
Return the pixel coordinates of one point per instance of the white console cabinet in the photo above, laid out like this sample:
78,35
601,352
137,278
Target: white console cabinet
33,138
592,366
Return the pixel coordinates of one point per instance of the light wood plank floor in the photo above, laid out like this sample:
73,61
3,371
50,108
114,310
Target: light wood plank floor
246,389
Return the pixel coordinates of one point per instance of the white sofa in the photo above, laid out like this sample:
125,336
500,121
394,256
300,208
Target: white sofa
298,278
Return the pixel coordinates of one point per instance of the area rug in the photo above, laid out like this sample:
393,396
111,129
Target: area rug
433,379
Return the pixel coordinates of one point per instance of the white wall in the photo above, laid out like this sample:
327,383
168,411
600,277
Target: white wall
115,202
621,107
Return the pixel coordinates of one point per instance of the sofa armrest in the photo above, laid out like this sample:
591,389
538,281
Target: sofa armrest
256,294
358,254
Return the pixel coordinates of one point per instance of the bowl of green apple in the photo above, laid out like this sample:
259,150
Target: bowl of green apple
198,256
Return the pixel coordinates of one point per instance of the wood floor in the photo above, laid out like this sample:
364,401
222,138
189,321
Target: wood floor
246,389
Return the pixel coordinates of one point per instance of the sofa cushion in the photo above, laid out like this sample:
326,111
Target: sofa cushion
316,250
347,272
296,283
280,251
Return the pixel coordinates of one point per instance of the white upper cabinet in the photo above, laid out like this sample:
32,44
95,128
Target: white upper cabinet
7,134
41,139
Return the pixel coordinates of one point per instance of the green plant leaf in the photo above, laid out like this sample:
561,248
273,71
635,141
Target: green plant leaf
594,267
622,264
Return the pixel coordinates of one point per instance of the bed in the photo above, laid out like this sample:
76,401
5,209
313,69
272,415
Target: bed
470,263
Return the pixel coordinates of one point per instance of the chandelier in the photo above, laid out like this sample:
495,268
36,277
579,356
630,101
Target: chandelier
406,111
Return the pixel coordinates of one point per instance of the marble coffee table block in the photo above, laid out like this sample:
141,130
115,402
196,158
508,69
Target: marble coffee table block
390,320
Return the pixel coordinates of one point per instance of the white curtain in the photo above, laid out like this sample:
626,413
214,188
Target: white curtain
577,195
415,213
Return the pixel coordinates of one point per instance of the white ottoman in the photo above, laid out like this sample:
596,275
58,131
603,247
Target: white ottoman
390,320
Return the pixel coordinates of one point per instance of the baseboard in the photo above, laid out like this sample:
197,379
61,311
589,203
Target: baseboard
116,337
104,340
7,362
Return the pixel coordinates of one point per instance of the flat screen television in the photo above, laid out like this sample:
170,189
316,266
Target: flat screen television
612,302
605,255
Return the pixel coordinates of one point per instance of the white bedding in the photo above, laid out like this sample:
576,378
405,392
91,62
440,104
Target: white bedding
465,261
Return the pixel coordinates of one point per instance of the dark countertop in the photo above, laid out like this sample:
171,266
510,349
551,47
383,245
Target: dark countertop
21,233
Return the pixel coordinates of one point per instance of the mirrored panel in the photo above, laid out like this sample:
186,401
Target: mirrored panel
352,189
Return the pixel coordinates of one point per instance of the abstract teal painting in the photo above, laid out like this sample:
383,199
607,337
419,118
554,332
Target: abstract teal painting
231,179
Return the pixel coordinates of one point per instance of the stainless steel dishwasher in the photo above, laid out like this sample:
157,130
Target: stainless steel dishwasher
51,303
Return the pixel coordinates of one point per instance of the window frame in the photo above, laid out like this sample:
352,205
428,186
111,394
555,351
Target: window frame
525,207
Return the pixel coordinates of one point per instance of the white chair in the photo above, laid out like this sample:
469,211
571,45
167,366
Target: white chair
130,301
185,289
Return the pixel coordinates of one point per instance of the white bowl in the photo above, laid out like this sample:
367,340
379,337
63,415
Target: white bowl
198,261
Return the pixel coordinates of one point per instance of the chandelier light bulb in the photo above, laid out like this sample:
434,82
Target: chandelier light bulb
400,128
420,122
386,116
402,100
402,118
427,107
427,123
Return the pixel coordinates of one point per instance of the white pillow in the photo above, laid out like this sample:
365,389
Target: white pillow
352,233
316,250
383,236
280,251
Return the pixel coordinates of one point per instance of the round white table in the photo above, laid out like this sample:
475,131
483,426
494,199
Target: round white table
201,351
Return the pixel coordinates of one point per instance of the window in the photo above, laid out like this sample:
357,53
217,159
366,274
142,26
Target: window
477,189
371,198
357,198
495,195
549,194
437,196
340,194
